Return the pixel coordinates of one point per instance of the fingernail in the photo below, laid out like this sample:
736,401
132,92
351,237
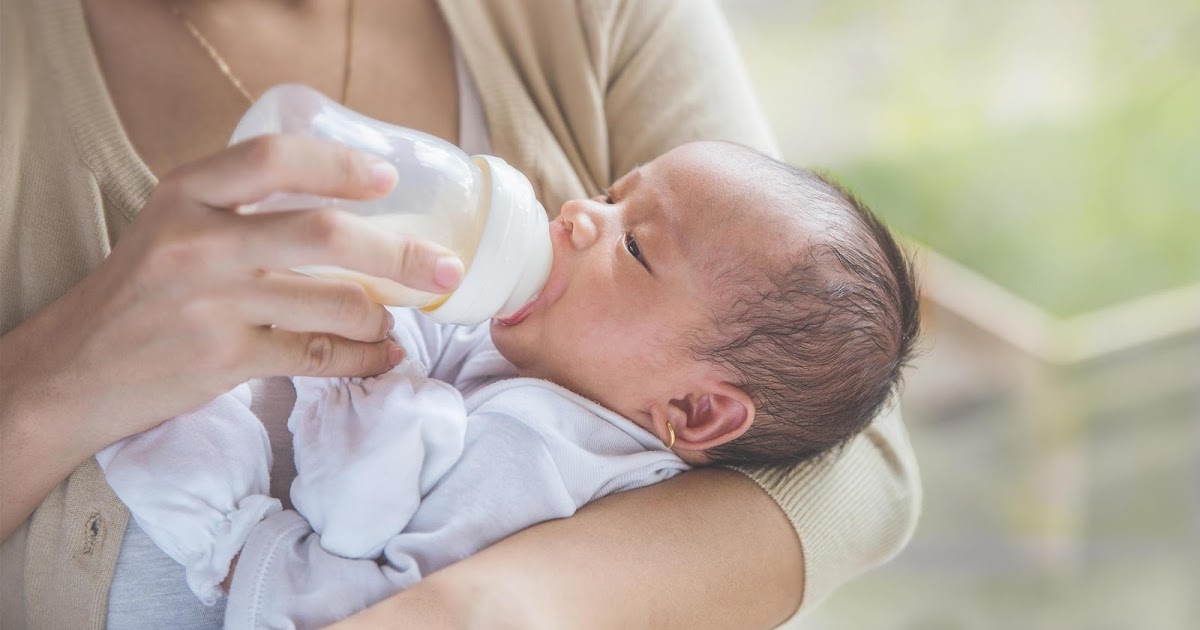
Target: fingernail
383,175
391,322
395,354
448,272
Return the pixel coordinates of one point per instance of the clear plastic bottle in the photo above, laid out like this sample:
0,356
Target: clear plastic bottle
479,207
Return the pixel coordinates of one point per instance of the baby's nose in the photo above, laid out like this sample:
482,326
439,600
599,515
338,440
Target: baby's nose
580,217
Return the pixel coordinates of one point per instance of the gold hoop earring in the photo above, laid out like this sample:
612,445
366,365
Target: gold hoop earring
671,430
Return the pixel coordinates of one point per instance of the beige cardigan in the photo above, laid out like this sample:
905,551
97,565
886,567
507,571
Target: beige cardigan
576,92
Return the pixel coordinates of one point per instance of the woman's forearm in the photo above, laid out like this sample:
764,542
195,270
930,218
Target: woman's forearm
32,463
708,549
154,331
39,446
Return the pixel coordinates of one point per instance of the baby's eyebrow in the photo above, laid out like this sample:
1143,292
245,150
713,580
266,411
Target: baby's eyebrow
623,183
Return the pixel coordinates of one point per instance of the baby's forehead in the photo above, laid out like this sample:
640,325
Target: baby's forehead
733,210
736,218
730,182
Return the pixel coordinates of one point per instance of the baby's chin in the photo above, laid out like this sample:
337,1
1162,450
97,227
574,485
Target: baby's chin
511,345
531,351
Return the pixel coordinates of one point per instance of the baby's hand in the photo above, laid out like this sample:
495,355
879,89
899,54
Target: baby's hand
197,484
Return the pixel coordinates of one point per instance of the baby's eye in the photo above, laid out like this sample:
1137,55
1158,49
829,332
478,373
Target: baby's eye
631,246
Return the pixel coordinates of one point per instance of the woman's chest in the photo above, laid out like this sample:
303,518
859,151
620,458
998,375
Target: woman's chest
175,85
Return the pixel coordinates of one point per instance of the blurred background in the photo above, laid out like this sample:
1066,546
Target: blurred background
1044,157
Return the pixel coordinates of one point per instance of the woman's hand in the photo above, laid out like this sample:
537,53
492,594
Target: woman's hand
196,298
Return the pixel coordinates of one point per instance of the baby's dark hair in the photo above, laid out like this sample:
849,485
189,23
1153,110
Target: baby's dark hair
818,341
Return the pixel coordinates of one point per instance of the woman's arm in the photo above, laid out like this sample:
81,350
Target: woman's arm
194,300
707,549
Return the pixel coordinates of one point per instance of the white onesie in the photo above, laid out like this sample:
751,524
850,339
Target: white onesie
397,476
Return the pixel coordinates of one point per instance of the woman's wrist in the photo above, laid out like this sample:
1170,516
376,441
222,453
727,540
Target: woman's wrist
41,438
36,453
36,389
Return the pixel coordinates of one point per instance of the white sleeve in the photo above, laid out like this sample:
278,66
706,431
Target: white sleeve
286,579
507,480
367,450
459,355
197,485
512,473
517,472
286,576
433,343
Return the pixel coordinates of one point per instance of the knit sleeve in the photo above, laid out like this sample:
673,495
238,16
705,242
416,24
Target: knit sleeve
672,75
853,508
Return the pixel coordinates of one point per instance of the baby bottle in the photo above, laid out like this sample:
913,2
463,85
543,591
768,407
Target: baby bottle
479,207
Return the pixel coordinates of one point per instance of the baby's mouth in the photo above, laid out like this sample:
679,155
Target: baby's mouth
520,315
553,289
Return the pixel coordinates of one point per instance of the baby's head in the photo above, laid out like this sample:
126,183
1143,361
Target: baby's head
760,311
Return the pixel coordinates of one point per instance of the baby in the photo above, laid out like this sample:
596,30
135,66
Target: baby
715,307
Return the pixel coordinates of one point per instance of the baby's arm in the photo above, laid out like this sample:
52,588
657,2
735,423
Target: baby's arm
367,451
511,475
505,482
197,484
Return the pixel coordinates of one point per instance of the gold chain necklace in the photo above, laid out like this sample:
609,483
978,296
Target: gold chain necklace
237,83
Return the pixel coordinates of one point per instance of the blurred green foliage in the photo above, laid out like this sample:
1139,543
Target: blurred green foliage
1052,146
1071,218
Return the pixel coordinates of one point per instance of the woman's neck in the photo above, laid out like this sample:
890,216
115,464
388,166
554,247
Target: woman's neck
177,105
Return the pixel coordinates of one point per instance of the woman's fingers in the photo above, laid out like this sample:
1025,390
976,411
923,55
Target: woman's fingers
302,304
285,240
320,354
257,168
251,170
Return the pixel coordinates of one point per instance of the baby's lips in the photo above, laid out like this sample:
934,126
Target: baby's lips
520,315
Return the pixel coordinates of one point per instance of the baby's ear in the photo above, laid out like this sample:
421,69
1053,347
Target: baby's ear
712,415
